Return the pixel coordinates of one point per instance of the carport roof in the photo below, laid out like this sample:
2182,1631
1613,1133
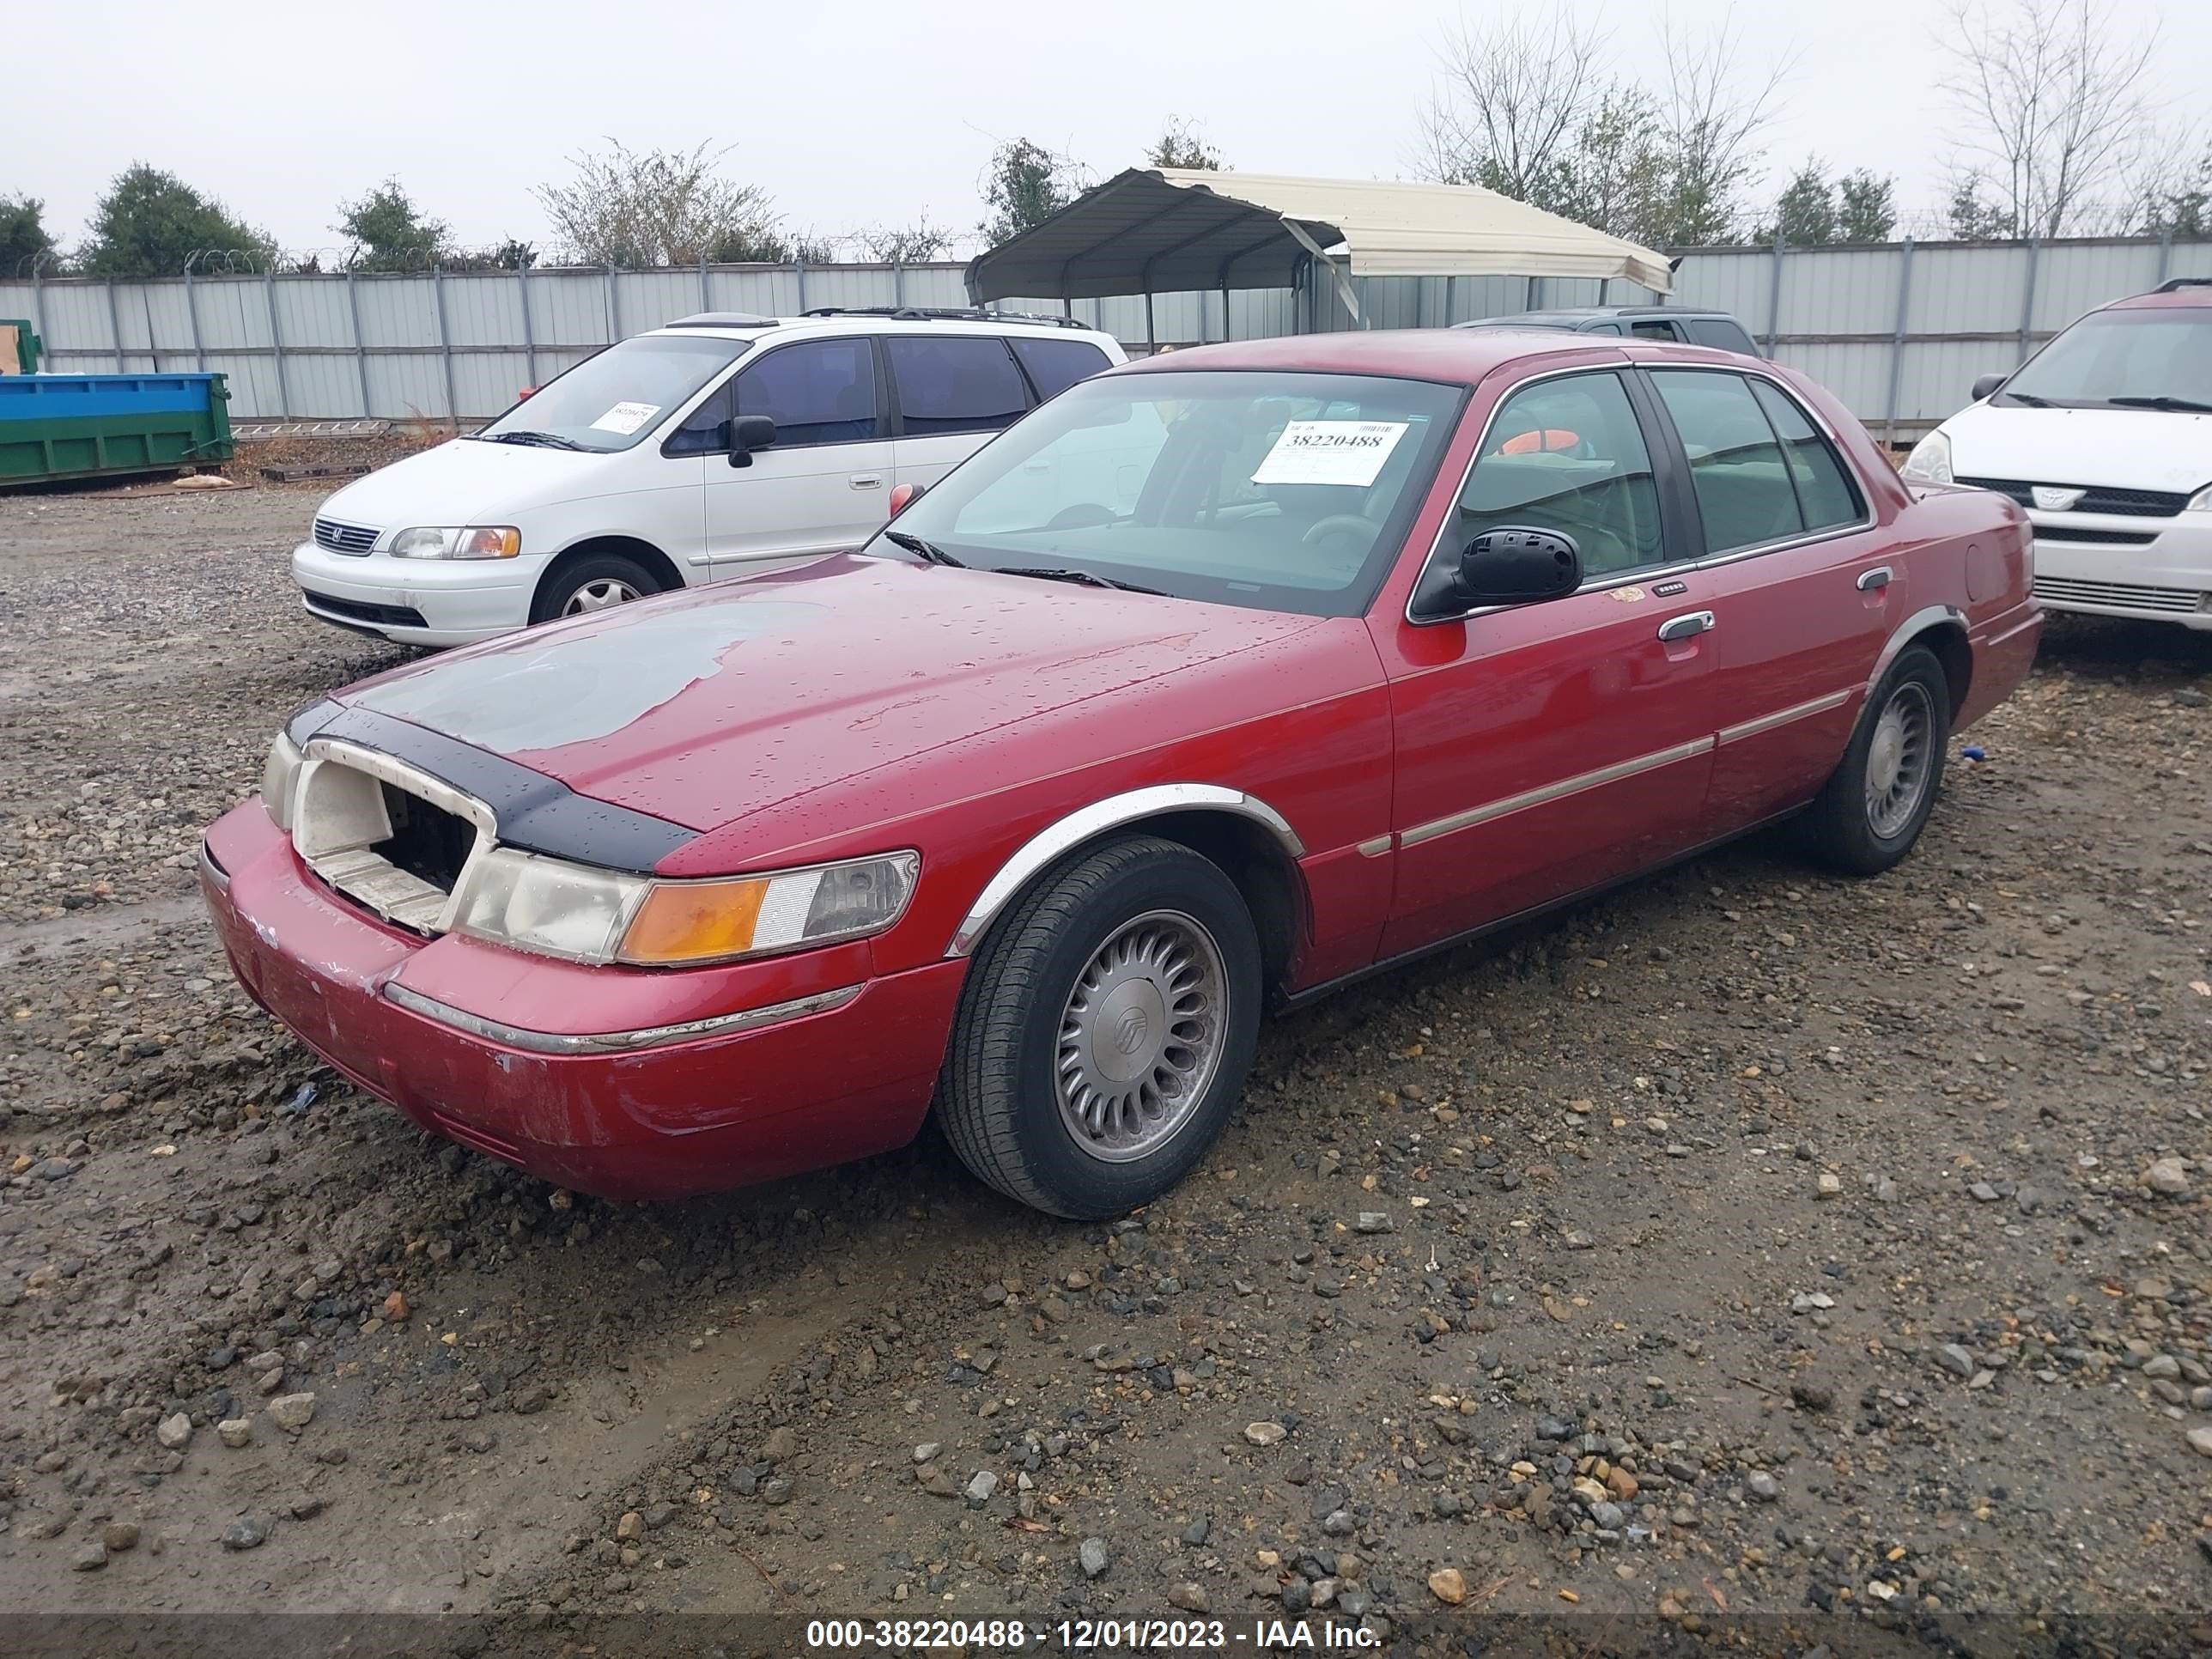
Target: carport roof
1168,229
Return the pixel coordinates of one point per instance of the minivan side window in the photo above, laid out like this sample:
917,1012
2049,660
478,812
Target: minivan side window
1724,332
1568,455
1055,365
1745,492
948,385
817,392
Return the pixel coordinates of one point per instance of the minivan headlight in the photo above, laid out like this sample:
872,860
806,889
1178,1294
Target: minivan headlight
280,781
1930,461
2200,502
556,907
478,542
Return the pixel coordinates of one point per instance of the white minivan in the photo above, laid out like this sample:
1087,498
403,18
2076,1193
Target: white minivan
2104,436
720,445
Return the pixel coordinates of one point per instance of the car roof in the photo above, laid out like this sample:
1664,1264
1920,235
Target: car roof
2181,291
1460,356
742,326
1586,314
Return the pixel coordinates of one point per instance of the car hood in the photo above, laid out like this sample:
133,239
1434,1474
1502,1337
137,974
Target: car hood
2121,448
706,707
464,482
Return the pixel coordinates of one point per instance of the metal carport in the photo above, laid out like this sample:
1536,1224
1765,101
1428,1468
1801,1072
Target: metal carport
1164,230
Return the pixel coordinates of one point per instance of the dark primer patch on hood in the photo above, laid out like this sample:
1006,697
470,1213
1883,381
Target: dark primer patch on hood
585,686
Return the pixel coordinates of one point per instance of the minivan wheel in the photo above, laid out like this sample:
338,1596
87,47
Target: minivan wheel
1873,810
598,583
1104,1030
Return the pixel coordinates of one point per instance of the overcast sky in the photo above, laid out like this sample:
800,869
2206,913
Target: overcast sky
853,114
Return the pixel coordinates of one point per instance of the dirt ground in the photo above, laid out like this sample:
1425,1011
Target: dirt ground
1752,1259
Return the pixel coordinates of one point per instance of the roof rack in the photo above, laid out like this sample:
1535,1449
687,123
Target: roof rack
2177,283
935,314
722,319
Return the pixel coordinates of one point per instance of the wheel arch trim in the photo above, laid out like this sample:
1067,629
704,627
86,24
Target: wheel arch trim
1087,823
1920,621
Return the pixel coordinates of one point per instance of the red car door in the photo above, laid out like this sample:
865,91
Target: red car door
1797,578
1550,747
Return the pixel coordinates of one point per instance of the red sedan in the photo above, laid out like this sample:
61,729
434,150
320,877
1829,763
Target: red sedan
1221,679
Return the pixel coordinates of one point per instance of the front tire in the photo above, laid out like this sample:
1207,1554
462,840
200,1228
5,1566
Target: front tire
1105,1030
598,582
1873,810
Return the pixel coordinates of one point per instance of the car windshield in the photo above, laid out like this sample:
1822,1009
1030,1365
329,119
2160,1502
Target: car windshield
2122,355
618,398
1279,491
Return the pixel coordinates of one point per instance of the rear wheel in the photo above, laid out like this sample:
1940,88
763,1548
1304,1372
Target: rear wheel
1105,1030
1873,810
599,582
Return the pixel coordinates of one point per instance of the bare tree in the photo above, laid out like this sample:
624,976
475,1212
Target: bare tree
1514,100
1182,143
2053,109
1714,113
905,245
653,207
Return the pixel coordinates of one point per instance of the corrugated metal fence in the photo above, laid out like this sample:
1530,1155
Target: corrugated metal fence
1897,332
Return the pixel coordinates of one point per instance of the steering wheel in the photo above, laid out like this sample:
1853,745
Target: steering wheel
1338,523
1083,515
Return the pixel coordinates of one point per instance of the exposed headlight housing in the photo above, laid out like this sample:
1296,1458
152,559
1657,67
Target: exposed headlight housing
2200,502
550,906
280,781
1930,461
478,542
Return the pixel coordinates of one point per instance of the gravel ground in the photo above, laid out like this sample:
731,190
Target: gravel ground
1750,1246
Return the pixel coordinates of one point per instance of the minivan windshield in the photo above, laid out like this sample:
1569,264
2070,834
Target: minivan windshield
618,398
1277,490
2148,357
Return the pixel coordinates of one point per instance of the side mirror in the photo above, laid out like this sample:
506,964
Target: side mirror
905,496
526,394
1517,565
744,434
1985,384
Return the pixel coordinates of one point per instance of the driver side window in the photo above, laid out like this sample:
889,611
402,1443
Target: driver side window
1568,455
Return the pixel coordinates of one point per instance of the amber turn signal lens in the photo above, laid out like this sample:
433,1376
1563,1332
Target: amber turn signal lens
696,921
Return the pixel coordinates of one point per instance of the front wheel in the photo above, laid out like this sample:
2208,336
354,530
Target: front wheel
599,582
1873,810
1105,1030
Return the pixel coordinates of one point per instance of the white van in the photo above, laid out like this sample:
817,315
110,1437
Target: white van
2104,436
720,445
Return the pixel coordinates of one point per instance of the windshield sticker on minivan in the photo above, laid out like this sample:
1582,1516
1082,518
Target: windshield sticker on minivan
1330,453
625,418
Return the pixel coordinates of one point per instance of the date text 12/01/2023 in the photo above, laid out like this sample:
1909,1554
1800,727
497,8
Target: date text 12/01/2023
1087,1635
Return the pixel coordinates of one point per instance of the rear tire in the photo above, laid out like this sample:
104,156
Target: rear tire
1873,810
598,582
1105,1030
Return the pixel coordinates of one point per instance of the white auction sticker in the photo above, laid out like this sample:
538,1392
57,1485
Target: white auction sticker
1330,453
625,418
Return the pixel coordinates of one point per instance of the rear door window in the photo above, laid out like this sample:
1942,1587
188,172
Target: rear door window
1055,365
1825,491
1745,491
955,386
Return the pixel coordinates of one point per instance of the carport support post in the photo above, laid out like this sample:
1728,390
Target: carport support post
445,343
1151,334
277,345
360,344
1225,311
1897,344
1774,297
39,302
1451,300
2028,297
115,327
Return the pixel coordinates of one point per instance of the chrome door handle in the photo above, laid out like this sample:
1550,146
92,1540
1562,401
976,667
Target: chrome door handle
1880,576
867,481
1686,626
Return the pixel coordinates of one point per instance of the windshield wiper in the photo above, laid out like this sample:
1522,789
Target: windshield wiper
1088,578
2027,398
2181,405
927,552
543,440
